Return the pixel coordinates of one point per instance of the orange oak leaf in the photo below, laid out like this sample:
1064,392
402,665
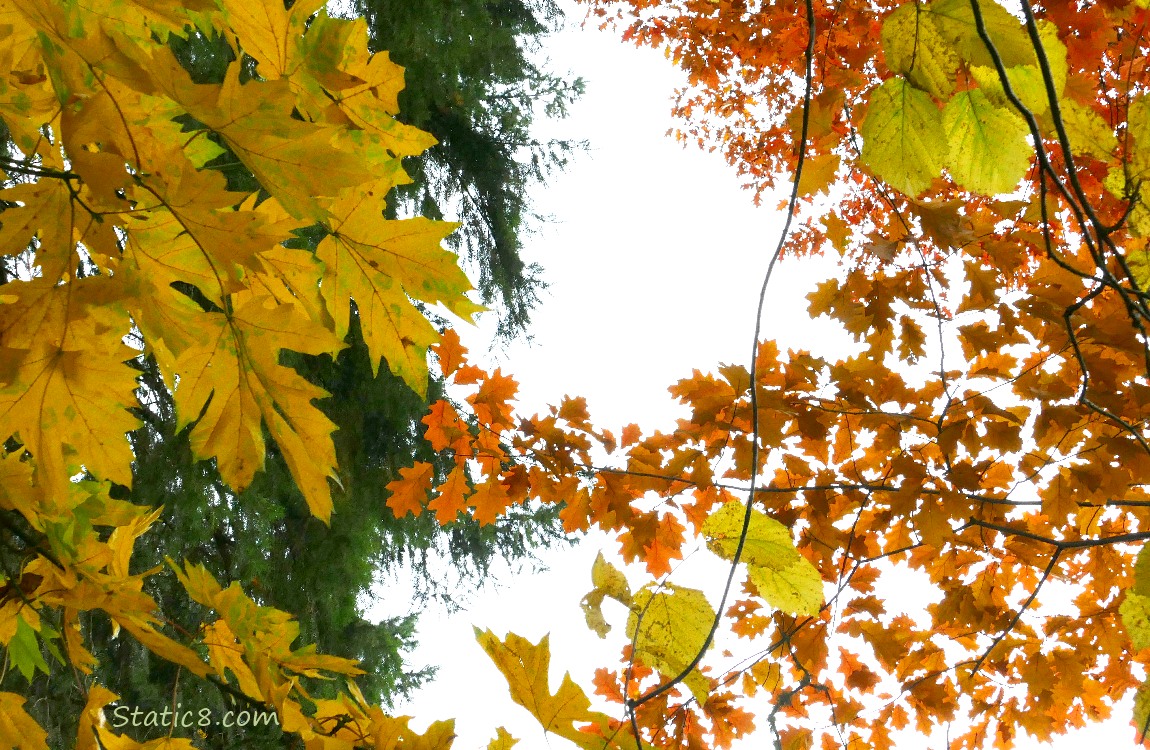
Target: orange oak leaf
489,501
451,497
409,492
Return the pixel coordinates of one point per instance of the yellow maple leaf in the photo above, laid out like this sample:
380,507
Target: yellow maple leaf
18,730
566,713
70,410
380,263
237,375
269,32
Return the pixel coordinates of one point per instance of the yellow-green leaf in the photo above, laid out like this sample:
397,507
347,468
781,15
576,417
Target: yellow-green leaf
914,47
669,626
1089,134
988,152
785,578
956,22
1027,81
1142,710
903,141
1135,612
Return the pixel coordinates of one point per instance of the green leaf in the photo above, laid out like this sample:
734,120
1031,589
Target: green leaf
24,650
902,136
786,579
914,47
669,627
988,152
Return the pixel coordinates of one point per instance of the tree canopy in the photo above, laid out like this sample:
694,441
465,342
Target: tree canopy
978,169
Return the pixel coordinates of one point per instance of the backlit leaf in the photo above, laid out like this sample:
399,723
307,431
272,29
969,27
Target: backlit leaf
669,625
914,48
987,152
786,579
903,137
525,666
956,22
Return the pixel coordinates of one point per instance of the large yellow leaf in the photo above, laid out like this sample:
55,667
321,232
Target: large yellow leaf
143,630
257,631
226,654
956,22
1089,134
567,712
237,375
785,578
296,161
270,33
914,47
70,409
206,234
987,148
379,263
364,88
25,92
1027,81
668,626
903,139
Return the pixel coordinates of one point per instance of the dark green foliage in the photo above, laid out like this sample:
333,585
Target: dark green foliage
471,82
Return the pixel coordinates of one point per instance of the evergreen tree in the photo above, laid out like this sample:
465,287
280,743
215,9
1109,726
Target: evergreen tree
472,82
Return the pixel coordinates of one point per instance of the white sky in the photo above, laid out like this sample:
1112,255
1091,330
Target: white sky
654,259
